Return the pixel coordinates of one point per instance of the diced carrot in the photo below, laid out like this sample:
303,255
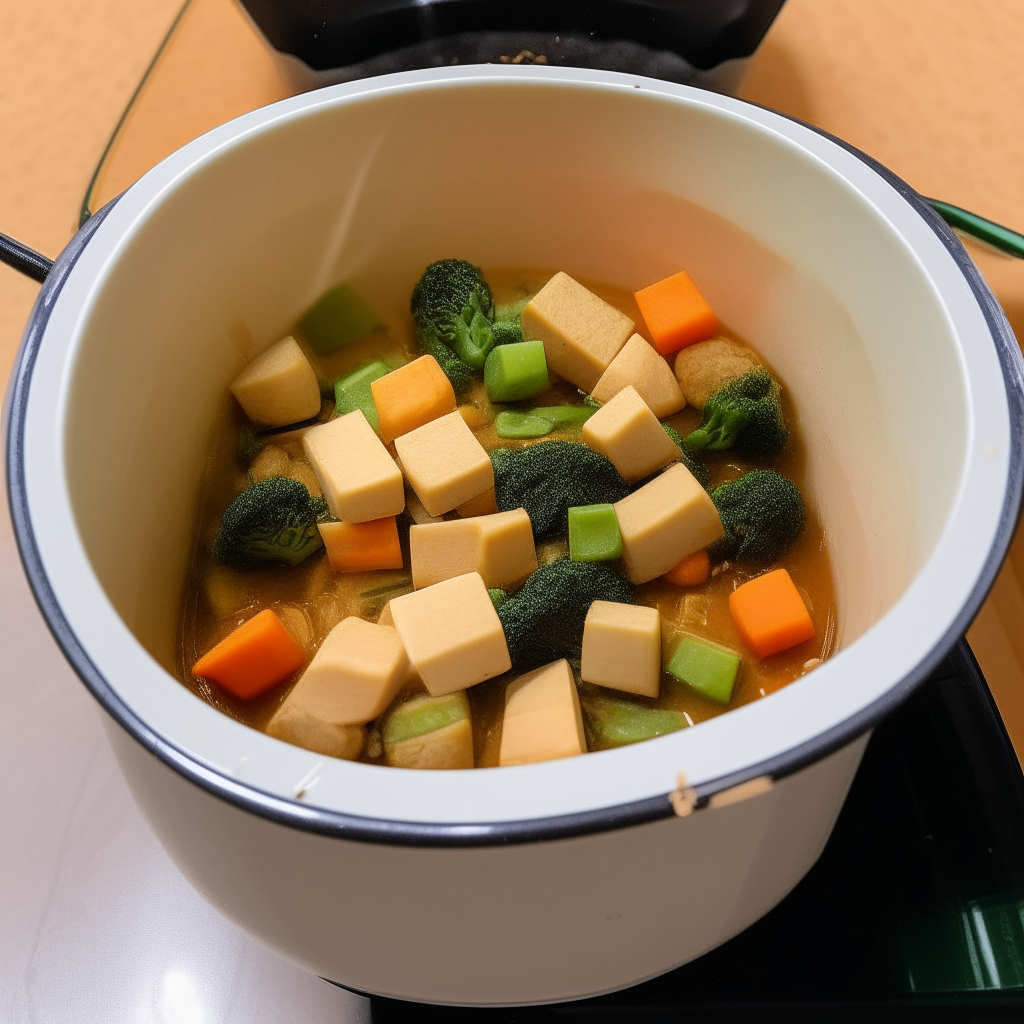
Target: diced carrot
692,571
257,655
676,313
410,396
770,614
356,547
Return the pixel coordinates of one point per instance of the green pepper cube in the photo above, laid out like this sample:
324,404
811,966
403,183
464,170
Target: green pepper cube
516,371
519,425
708,668
594,533
336,318
429,732
353,392
616,723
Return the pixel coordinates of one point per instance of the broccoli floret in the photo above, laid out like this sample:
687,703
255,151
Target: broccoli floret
543,620
272,521
507,332
762,512
746,415
549,478
452,307
688,459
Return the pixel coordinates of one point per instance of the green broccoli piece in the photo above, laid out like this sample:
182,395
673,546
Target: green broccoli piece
498,596
543,620
248,445
762,512
507,332
746,415
452,306
272,521
701,472
549,478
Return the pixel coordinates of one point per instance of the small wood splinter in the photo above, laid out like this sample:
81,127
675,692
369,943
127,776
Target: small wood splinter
683,798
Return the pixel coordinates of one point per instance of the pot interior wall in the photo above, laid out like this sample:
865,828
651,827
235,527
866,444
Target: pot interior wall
610,183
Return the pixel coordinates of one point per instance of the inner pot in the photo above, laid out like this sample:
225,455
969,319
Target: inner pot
567,878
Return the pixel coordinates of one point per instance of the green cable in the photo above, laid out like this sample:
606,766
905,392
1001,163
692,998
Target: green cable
987,231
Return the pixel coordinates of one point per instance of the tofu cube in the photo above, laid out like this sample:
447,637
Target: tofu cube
445,464
430,732
484,504
278,387
627,432
663,521
410,396
499,547
542,717
295,724
359,478
355,675
622,647
639,365
452,634
581,332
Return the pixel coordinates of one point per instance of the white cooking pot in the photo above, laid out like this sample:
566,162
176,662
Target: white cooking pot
573,877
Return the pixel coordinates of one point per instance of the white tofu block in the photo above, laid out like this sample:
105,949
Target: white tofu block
278,387
622,647
296,725
542,717
627,432
452,634
445,464
430,733
359,479
581,332
355,675
663,522
500,547
639,364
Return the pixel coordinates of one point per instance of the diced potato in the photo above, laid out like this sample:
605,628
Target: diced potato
628,433
445,464
295,724
271,461
360,481
703,368
430,732
279,386
355,675
452,634
542,717
663,521
499,547
622,647
581,332
640,366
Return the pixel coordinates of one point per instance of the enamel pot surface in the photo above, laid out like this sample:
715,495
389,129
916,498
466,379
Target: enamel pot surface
567,878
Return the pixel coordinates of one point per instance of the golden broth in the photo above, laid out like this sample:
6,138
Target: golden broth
311,598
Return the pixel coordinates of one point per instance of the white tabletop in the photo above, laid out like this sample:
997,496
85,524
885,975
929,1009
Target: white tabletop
96,923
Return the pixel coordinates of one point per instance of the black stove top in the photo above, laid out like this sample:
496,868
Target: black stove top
914,912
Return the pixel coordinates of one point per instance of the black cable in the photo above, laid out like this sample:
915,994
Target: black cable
31,263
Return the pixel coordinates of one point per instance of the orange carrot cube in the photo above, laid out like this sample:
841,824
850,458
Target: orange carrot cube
356,547
410,396
676,313
258,655
692,571
770,614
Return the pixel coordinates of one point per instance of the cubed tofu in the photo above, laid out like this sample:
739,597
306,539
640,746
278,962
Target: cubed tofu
410,396
359,478
278,387
663,521
355,675
640,366
445,464
499,547
542,717
628,433
452,634
484,504
429,733
581,332
295,724
622,647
